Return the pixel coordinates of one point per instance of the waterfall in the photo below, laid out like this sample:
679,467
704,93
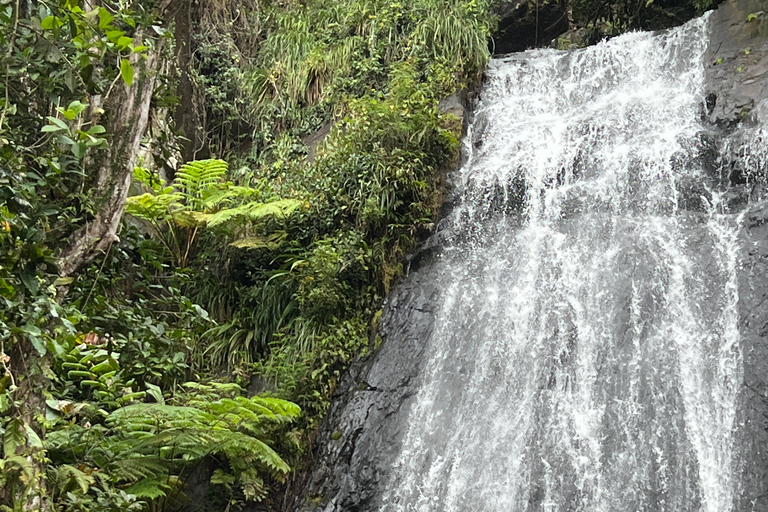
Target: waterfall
586,351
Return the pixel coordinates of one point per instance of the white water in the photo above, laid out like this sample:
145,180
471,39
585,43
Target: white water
586,355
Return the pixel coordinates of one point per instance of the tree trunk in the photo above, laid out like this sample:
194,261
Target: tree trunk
127,109
30,494
189,113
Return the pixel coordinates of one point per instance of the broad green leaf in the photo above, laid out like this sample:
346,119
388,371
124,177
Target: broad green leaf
58,122
78,149
49,22
124,42
114,35
105,18
126,72
96,130
156,393
32,330
77,107
32,438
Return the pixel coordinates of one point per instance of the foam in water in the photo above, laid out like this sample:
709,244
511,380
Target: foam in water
586,355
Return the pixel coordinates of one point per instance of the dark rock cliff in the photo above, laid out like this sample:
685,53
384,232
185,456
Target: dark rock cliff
753,325
361,435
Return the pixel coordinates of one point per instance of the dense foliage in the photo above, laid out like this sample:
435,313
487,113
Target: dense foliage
122,379
285,157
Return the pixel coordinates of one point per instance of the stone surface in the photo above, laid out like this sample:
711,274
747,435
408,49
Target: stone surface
314,140
737,72
361,435
528,24
753,325
454,104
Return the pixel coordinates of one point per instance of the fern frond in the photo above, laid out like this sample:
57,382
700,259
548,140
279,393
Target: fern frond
153,208
149,488
135,468
255,211
252,485
214,197
126,417
242,446
270,242
193,178
67,477
278,406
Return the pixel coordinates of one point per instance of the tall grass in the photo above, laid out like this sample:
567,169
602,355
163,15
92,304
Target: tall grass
325,50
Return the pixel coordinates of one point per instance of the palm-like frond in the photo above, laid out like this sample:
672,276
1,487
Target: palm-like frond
253,211
66,477
270,242
138,467
194,178
153,208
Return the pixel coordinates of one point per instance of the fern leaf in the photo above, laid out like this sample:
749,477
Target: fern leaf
252,485
278,406
138,413
193,178
137,468
238,445
66,477
213,197
187,219
255,211
271,242
153,208
149,488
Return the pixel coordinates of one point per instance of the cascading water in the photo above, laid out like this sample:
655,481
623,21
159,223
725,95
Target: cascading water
586,353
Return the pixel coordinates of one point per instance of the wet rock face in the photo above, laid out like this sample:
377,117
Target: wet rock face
753,326
361,436
737,73
525,24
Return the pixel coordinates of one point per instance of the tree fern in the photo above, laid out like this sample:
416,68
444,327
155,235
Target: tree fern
144,448
194,178
253,211
200,198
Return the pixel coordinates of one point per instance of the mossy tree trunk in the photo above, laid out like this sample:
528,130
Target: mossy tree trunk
30,494
127,111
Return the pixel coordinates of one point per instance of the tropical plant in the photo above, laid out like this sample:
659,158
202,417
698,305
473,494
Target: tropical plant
197,199
148,449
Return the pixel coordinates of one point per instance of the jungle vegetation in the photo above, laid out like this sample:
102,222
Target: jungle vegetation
202,206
